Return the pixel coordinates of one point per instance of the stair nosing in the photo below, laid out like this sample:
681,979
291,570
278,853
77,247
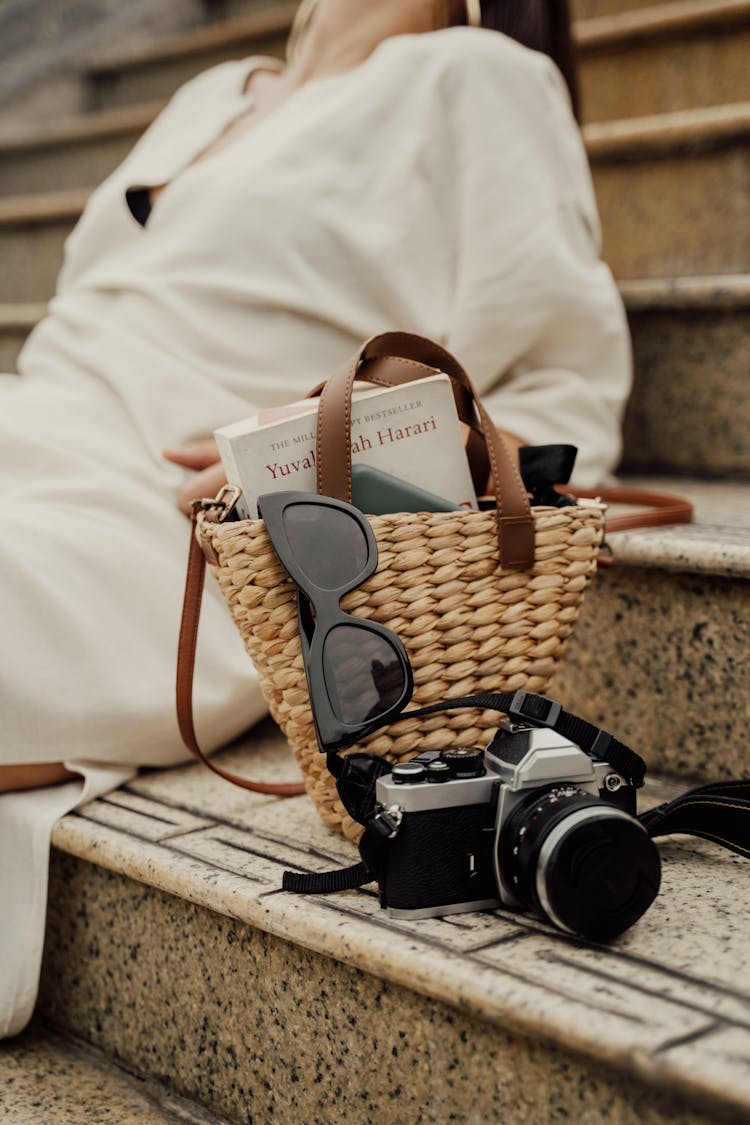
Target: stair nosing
97,125
36,209
187,44
664,133
589,34
621,138
21,314
709,291
689,17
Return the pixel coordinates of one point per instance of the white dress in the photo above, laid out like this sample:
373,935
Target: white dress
439,188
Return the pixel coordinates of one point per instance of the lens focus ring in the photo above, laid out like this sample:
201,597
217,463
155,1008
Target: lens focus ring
584,863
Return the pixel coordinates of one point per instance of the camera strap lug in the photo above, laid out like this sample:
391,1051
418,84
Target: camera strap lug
387,822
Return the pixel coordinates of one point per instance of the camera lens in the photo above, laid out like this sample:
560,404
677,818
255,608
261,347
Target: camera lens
588,866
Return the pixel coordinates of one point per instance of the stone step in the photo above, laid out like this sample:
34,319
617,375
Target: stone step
593,9
75,152
672,192
690,407
652,60
171,947
16,321
50,1079
33,229
123,77
655,60
660,652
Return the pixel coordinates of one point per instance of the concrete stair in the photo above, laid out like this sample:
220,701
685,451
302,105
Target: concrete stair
122,77
703,228
684,177
50,1079
690,407
657,60
170,946
661,651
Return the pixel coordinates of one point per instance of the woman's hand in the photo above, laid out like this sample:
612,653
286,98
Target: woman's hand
208,476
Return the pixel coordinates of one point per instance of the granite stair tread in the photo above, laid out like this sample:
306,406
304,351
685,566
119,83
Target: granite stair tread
696,129
593,9
21,314
665,1005
275,18
659,19
716,542
48,1079
94,125
42,207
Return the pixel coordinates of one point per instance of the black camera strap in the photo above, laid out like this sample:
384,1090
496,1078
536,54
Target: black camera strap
540,711
719,812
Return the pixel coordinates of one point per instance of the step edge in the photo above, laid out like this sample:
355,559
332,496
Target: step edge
708,291
73,836
666,133
651,549
36,209
650,24
23,315
262,24
98,125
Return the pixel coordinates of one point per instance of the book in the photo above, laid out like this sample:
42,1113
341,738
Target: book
410,431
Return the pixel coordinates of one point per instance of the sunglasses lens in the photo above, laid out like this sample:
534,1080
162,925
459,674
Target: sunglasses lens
329,546
363,672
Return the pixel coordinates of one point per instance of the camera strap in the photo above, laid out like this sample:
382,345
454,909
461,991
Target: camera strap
718,812
540,711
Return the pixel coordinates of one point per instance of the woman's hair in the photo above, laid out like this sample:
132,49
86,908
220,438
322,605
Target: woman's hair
543,25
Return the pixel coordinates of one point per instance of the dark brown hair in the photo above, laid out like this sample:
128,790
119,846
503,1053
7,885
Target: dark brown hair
543,25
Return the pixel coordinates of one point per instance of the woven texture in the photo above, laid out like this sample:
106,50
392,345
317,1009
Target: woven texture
468,625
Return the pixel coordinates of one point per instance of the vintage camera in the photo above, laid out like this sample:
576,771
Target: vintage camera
532,823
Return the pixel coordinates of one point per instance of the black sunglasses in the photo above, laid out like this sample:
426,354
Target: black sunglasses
358,673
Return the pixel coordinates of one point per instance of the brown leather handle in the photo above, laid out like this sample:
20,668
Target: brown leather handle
395,358
191,608
656,509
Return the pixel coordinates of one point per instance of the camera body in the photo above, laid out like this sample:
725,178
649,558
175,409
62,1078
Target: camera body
532,823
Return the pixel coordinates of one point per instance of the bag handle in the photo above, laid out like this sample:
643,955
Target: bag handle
392,359
656,509
191,609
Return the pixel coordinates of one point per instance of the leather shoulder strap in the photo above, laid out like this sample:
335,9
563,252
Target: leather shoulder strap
655,509
191,609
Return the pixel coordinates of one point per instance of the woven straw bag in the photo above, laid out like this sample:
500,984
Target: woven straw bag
483,601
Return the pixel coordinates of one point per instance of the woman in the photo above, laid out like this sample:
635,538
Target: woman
404,171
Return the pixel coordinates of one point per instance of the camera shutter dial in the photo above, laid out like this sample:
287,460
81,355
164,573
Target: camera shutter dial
464,761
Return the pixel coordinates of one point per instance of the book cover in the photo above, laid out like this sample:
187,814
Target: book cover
411,431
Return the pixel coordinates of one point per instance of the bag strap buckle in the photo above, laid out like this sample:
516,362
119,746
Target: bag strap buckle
216,509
